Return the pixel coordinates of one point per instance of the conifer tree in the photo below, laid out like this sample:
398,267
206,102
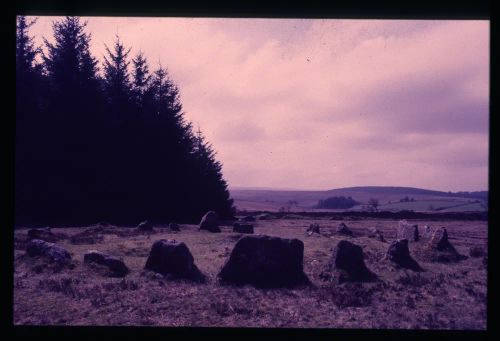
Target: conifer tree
72,123
29,103
169,148
141,80
215,194
69,62
115,148
26,51
116,76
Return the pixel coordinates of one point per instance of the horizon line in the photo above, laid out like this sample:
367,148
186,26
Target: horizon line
267,188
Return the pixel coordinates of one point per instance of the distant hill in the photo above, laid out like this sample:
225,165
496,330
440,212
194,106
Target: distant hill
389,197
483,195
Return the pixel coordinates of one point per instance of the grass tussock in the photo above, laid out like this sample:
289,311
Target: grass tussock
413,280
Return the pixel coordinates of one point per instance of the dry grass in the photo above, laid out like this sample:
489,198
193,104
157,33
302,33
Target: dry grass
444,296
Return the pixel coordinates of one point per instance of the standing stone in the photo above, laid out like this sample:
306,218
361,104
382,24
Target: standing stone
343,229
440,249
399,254
313,228
209,222
243,228
439,240
55,253
348,264
145,226
428,232
170,257
174,227
116,267
407,231
265,262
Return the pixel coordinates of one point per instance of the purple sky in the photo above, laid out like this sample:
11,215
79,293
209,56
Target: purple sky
322,104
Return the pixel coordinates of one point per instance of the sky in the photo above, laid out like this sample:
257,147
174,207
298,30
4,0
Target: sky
324,103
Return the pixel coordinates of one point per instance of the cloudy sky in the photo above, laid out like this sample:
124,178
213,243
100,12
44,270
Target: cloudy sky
322,104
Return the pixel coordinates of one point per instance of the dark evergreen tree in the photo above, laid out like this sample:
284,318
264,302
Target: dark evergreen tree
73,122
212,188
116,77
30,94
118,93
115,148
141,80
170,147
28,75
26,52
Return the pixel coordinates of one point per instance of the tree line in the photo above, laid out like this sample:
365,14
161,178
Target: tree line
340,202
111,145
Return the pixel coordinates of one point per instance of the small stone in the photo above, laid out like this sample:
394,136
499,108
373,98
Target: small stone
55,253
344,229
116,266
313,228
174,227
373,232
145,226
45,234
266,216
243,228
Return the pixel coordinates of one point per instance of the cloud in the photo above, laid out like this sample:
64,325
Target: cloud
326,103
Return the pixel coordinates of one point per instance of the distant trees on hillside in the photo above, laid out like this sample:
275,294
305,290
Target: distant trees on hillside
374,203
406,199
337,203
113,146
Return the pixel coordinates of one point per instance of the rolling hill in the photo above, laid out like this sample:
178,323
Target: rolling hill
388,197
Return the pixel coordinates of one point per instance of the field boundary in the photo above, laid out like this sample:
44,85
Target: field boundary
481,216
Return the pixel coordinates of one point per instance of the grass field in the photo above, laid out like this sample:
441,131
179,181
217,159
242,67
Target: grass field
434,299
433,205
275,200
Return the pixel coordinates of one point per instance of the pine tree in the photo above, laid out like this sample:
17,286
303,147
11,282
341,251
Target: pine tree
214,192
124,134
141,80
69,63
28,70
116,76
116,148
30,94
73,120
26,52
168,148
